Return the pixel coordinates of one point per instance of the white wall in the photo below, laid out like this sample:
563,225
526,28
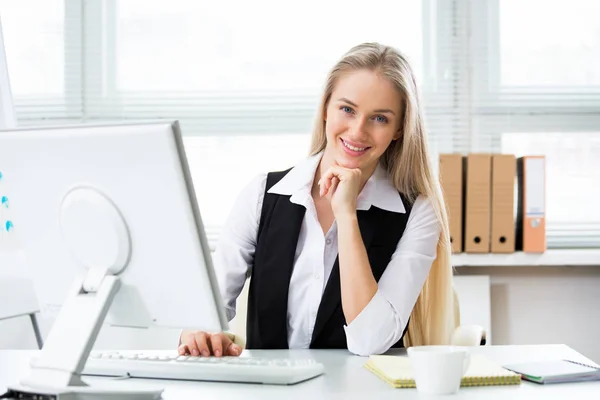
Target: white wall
529,305
534,305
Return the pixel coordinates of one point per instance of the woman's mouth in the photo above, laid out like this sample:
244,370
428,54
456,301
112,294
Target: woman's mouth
354,150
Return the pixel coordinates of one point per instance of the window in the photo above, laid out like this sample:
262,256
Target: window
222,165
35,48
573,181
262,46
536,90
495,75
244,84
562,52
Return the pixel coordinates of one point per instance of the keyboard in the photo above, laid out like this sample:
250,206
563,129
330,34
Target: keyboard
220,369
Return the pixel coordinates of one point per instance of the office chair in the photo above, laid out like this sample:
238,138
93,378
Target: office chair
466,335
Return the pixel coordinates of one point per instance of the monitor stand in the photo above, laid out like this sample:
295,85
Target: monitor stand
56,374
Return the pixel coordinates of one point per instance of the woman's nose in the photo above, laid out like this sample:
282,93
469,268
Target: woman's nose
359,128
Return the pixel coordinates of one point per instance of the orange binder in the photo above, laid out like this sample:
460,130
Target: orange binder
451,180
531,208
504,170
477,203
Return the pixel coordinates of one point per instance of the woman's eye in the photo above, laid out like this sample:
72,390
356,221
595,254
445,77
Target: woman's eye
346,109
381,118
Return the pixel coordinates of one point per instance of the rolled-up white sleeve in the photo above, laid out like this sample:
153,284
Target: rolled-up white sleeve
383,320
234,253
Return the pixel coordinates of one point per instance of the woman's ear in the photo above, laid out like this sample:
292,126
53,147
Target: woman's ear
398,134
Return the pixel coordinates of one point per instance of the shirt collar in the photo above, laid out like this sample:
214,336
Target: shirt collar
379,191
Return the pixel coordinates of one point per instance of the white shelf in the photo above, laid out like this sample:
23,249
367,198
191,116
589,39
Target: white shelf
574,257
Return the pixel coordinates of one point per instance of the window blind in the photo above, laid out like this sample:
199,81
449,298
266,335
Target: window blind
244,79
536,90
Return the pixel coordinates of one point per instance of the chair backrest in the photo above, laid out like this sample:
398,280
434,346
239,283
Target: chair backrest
456,310
466,335
238,324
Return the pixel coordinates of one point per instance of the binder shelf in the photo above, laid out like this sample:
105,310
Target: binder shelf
558,257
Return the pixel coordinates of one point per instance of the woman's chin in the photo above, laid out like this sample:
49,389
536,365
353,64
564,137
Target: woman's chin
345,163
350,162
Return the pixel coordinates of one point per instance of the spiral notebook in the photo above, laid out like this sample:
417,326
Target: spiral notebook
397,371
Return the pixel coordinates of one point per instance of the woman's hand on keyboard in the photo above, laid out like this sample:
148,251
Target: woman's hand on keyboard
197,343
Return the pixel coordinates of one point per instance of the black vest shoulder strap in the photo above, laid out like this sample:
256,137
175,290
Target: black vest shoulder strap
267,206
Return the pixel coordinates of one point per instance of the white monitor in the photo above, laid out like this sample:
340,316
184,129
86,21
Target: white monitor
105,221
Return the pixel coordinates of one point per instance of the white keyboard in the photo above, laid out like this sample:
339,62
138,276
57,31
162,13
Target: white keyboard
223,369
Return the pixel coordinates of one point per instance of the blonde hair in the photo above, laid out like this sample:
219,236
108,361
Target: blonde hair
408,162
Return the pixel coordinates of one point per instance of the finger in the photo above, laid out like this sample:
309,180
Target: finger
340,172
189,342
230,348
322,188
183,350
233,350
216,342
334,184
201,345
332,187
326,180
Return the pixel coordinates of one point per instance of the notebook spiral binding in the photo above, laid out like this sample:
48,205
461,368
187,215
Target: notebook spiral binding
582,364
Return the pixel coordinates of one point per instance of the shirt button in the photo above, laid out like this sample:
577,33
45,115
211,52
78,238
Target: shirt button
317,276
328,241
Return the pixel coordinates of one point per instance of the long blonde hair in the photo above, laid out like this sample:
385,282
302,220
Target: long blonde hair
408,162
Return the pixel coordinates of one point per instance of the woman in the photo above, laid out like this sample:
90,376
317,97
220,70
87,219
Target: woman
350,248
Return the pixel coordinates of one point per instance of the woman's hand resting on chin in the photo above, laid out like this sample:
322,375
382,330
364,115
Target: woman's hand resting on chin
341,185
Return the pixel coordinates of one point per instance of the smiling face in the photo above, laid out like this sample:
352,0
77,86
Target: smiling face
362,118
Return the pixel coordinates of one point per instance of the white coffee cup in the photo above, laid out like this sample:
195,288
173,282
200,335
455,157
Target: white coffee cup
438,369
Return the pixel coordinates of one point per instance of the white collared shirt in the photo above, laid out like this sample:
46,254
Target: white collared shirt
381,323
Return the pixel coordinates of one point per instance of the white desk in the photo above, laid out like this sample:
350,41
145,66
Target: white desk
345,378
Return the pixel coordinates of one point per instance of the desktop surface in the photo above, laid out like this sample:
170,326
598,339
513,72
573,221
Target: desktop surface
344,378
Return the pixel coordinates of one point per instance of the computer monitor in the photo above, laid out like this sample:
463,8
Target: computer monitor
106,222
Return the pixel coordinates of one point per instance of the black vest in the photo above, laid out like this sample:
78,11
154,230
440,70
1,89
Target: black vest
277,238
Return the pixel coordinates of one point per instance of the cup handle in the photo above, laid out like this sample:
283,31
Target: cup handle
466,362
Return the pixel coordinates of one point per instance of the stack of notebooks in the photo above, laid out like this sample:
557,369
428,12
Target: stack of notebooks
397,371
